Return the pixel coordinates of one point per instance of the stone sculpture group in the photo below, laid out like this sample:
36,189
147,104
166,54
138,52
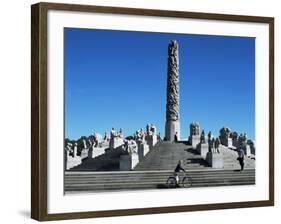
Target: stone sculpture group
136,146
209,148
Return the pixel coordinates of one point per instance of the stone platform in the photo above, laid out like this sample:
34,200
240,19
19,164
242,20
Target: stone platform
153,171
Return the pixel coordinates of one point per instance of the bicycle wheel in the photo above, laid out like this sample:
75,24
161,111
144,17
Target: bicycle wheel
186,182
171,182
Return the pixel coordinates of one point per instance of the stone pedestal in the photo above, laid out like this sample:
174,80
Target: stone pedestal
143,149
171,128
253,150
226,141
229,142
71,162
215,160
84,153
235,142
128,162
96,151
194,140
115,142
247,151
90,152
151,140
203,149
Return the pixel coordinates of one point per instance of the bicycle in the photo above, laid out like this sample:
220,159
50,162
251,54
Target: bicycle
185,181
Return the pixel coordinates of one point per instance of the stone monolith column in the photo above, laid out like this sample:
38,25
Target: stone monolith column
172,105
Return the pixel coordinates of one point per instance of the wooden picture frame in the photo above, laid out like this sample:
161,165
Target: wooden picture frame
39,110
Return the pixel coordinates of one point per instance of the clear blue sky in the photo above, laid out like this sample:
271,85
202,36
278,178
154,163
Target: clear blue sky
118,79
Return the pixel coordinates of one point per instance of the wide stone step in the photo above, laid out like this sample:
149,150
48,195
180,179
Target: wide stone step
157,181
154,180
171,167
101,181
226,175
153,185
125,173
161,181
159,173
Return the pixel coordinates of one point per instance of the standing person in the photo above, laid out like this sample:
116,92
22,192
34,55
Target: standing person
176,137
241,157
159,137
217,144
178,169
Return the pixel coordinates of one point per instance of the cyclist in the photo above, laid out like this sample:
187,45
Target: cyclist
178,169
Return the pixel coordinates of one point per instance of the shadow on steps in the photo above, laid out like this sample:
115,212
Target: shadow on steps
161,186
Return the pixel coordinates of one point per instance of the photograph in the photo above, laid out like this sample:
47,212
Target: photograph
156,110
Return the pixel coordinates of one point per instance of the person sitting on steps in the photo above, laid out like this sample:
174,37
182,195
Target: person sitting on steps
178,169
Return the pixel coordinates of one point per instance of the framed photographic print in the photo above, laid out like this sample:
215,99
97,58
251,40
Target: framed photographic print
140,111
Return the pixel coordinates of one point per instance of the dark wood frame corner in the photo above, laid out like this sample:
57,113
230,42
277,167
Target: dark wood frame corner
39,120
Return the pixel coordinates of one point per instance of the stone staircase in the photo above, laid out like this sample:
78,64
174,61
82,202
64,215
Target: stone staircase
78,182
152,172
230,159
109,161
165,156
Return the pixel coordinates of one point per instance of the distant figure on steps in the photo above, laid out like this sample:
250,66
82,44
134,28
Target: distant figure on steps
241,157
176,137
159,137
217,144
